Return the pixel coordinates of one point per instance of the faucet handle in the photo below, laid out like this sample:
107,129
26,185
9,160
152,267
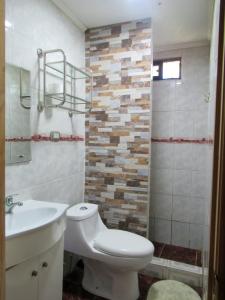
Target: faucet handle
9,199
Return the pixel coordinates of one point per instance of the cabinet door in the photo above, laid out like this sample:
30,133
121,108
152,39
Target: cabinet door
22,281
51,273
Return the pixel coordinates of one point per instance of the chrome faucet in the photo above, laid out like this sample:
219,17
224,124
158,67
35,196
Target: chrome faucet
10,204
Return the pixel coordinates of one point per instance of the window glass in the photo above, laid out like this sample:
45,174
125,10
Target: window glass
167,69
171,69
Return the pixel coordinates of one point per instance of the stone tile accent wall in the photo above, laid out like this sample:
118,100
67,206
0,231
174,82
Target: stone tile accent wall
118,127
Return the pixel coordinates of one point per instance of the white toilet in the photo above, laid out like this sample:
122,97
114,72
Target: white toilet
112,258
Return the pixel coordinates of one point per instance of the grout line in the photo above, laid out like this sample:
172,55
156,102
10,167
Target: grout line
196,258
178,140
164,245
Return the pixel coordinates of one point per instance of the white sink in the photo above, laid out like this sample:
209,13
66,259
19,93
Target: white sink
32,229
32,216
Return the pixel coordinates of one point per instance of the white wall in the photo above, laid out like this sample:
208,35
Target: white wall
56,172
179,170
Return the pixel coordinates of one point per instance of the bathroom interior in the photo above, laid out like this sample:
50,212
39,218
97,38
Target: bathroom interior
109,117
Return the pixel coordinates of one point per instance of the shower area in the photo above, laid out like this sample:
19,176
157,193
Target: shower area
180,156
148,147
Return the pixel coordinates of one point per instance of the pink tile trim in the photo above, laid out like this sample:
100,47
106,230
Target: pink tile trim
182,141
46,138
18,139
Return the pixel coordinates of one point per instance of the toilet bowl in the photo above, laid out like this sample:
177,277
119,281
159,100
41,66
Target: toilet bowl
112,258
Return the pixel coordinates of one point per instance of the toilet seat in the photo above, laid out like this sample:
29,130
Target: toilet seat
122,244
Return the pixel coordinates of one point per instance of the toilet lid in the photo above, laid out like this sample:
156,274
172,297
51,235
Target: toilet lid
123,243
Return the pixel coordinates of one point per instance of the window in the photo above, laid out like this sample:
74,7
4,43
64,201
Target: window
167,69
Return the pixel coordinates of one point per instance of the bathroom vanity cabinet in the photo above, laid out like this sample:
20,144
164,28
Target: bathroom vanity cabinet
34,251
39,278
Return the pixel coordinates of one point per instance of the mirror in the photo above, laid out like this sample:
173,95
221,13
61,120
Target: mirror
18,107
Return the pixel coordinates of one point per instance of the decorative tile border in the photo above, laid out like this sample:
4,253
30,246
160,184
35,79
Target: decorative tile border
46,138
182,141
18,139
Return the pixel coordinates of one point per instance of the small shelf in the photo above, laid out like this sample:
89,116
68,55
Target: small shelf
71,71
60,100
64,85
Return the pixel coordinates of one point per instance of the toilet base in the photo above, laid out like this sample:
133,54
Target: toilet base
102,280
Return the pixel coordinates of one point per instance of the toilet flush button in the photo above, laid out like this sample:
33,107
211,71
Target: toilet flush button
83,208
82,211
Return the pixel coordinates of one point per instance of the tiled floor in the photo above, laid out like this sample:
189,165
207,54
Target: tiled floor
180,254
72,289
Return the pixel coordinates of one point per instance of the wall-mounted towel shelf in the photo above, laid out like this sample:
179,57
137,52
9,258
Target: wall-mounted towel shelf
62,85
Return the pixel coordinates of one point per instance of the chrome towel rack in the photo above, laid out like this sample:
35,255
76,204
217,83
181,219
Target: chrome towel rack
62,85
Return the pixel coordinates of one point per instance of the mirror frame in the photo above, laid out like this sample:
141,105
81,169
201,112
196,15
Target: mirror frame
22,157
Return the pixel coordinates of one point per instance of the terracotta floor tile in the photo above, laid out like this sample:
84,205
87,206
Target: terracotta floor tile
179,254
199,258
158,249
145,282
72,288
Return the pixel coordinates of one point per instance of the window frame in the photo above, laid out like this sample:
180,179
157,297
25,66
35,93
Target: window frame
159,62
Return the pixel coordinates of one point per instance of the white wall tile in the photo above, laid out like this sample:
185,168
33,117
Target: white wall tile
49,161
183,124
181,208
188,209
180,234
201,123
196,210
160,128
163,95
162,156
61,190
168,54
161,181
183,96
196,235
161,206
183,156
182,182
162,231
200,157
57,169
199,184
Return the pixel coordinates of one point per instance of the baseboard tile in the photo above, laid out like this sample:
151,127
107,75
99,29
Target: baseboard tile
168,269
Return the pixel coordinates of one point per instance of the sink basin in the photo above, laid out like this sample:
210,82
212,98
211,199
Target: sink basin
32,216
32,229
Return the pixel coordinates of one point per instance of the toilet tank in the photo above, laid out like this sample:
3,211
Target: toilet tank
83,224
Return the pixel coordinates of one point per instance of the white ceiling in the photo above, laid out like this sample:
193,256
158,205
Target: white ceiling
174,21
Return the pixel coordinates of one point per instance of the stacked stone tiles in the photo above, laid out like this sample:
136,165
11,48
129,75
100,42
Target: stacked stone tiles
118,127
